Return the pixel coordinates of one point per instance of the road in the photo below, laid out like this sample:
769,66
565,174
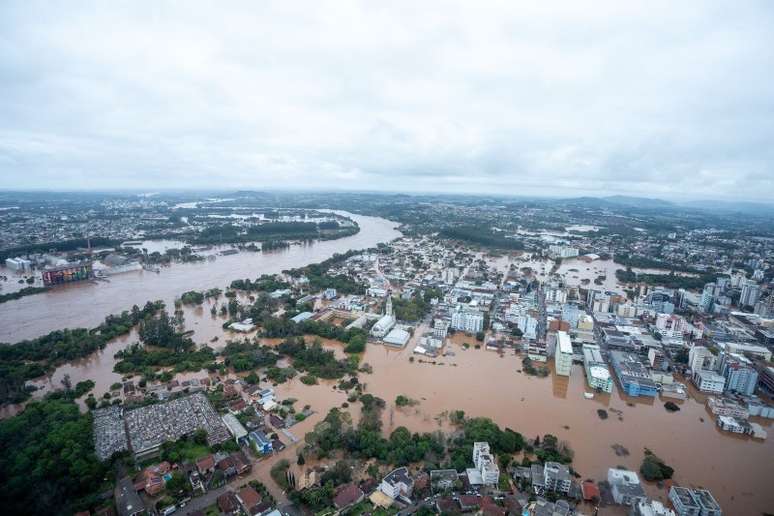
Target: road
202,502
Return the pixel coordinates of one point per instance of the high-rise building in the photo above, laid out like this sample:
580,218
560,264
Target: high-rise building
563,354
736,279
765,307
471,322
751,292
741,377
440,328
707,296
485,463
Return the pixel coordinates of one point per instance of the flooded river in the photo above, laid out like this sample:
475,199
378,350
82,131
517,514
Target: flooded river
738,470
86,304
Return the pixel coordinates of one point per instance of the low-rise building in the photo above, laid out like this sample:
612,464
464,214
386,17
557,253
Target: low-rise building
693,502
303,316
398,337
235,427
597,373
383,326
708,381
443,479
128,502
632,374
347,495
651,508
557,477
726,407
398,483
625,487
262,443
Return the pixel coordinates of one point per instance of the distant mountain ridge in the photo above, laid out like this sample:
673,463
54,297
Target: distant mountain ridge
617,201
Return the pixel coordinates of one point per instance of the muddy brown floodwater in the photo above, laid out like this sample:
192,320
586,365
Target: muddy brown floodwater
483,383
86,304
738,470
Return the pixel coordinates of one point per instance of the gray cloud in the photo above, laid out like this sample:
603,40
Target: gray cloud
662,98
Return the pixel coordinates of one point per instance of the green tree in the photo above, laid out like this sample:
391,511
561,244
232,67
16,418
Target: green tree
47,462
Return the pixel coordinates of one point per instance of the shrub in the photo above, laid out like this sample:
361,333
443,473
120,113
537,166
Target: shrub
309,379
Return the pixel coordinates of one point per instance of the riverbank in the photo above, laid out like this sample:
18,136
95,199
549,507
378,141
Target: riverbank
87,304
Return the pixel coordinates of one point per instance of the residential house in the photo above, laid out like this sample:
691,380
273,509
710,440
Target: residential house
251,501
261,442
276,421
206,465
152,481
228,504
347,495
469,503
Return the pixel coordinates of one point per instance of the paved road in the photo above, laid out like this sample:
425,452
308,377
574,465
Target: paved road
202,502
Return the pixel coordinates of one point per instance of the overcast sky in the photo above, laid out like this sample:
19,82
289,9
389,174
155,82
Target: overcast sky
672,99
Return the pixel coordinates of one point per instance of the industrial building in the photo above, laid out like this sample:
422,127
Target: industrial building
67,273
18,264
235,427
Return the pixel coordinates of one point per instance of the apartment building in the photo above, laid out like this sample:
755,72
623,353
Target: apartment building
563,354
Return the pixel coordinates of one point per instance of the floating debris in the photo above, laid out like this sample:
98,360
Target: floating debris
671,406
620,450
